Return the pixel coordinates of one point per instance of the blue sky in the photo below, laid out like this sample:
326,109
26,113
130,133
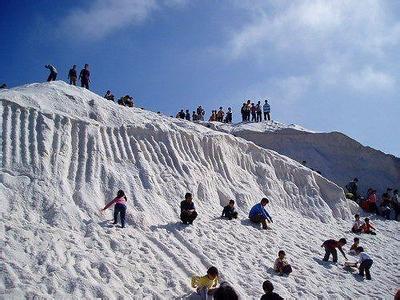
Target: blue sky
326,65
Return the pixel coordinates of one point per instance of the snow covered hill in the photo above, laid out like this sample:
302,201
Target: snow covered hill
337,156
65,153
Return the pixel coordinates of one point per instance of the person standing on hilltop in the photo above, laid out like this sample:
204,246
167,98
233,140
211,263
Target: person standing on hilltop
258,106
119,208
266,110
84,76
188,211
53,72
72,75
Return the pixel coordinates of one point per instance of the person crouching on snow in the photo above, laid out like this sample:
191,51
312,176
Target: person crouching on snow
229,211
258,214
281,265
119,208
365,263
206,285
330,248
357,226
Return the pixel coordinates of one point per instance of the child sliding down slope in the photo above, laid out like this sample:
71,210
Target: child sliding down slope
206,285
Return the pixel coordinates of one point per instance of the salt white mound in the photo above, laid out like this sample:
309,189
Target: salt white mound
337,156
66,151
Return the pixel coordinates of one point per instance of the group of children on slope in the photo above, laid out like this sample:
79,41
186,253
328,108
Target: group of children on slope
362,227
207,286
365,262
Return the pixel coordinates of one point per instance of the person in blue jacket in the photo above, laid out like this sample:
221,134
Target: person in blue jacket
258,214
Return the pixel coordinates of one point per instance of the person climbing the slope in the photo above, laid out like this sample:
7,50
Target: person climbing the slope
281,265
53,72
72,75
229,211
206,285
330,248
258,214
188,211
352,188
266,110
367,227
119,208
269,293
84,76
357,226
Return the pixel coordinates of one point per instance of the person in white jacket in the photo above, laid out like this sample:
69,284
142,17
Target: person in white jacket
365,263
266,110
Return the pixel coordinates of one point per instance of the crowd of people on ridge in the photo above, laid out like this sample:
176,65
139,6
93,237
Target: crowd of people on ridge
207,285
84,75
386,206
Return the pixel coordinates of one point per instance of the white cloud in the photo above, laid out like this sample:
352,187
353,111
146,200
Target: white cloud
335,37
102,17
368,78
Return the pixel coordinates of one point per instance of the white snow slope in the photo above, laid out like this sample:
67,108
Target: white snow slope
66,152
337,156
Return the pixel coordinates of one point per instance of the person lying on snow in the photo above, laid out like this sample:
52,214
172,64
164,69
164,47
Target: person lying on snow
281,265
229,211
330,248
258,213
367,227
206,285
188,211
357,226
119,208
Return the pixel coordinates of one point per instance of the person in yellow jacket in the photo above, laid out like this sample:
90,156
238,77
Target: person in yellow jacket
206,285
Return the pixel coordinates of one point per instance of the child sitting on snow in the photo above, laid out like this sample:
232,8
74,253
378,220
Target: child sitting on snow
268,288
354,246
229,211
357,224
206,285
281,265
367,227
365,263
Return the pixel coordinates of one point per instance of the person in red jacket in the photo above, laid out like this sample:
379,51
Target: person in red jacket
330,248
367,227
119,208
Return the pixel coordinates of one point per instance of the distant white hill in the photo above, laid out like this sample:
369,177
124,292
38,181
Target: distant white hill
337,156
67,151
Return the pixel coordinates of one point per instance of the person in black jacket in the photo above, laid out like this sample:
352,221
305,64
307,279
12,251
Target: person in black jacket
268,288
229,211
72,76
188,211
84,76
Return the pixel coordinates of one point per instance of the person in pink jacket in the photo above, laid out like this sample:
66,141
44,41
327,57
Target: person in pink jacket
119,208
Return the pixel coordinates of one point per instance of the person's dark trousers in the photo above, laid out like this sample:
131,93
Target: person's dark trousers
259,219
230,216
269,117
248,115
72,80
365,266
188,217
243,117
328,252
356,230
120,209
253,117
52,76
85,84
259,117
